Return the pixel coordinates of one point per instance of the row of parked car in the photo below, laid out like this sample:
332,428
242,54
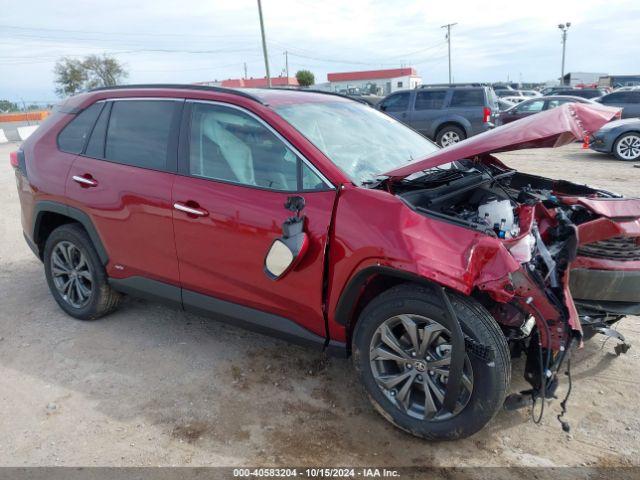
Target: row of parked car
453,113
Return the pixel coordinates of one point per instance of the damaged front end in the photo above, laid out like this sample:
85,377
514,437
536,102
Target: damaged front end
520,268
521,271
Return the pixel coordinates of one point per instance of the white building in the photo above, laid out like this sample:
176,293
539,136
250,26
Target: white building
377,82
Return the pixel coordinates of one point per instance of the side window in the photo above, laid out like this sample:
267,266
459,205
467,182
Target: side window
611,98
311,181
467,98
396,103
230,145
74,135
95,147
531,107
399,84
555,103
139,133
430,99
632,97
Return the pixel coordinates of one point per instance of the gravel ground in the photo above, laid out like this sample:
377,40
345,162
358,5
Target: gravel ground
153,386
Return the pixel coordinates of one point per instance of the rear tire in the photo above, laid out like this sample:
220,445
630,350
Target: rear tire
484,385
75,275
450,135
627,147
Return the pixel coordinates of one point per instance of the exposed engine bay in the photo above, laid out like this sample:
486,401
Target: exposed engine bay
487,197
527,213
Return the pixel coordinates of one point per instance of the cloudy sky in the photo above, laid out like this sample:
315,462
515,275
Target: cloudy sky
198,40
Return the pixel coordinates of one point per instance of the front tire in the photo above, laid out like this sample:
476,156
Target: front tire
627,147
400,350
76,277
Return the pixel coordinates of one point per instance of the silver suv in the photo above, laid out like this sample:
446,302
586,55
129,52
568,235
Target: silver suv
444,114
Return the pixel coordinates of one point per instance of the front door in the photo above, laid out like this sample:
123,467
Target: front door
236,175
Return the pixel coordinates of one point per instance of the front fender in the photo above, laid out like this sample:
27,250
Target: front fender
397,241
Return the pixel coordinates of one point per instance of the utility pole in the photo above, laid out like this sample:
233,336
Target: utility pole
448,27
286,63
245,70
264,45
564,27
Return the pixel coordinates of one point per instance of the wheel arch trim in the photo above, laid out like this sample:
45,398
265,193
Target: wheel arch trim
454,121
354,288
46,206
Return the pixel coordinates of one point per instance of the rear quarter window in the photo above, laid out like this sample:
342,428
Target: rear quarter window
74,135
467,98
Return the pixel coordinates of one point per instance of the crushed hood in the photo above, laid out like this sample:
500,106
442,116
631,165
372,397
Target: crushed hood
552,128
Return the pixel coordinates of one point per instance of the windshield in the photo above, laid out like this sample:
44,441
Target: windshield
362,141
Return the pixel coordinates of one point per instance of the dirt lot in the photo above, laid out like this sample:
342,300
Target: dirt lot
153,386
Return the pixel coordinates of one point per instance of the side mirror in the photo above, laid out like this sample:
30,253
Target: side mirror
383,108
289,249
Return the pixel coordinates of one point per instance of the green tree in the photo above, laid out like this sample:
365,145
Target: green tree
73,76
103,71
7,106
305,78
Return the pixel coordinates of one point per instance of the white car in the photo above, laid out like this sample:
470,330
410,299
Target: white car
530,93
514,99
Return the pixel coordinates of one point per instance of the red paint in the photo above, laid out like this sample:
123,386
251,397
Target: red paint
131,209
223,253
371,74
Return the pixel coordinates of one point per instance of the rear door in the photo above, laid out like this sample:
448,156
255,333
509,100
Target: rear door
428,106
632,104
122,179
236,173
469,104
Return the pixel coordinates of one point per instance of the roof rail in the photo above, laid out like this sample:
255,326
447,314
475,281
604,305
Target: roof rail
182,86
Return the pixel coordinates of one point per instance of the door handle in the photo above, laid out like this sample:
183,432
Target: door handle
85,181
198,212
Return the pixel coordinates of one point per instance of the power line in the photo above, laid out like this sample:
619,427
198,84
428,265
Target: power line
138,34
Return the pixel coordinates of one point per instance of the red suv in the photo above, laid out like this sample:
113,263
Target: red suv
325,221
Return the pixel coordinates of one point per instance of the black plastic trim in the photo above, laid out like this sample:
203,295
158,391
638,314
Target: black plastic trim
457,354
222,310
149,289
45,206
352,291
252,319
32,245
605,285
